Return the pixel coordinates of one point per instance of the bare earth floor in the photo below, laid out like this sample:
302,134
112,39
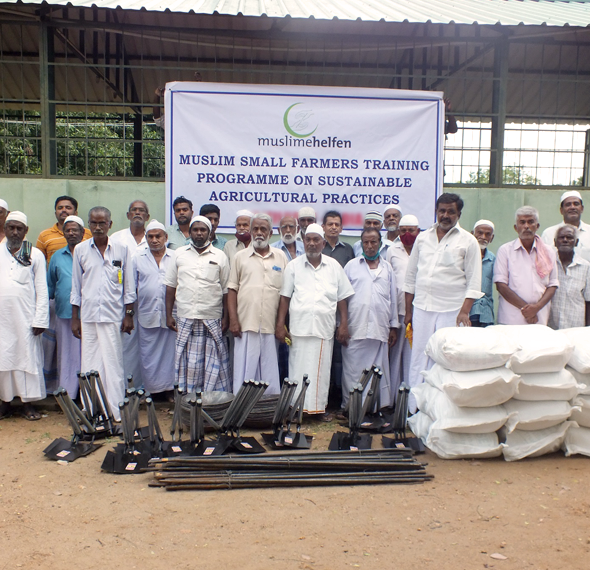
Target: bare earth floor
535,513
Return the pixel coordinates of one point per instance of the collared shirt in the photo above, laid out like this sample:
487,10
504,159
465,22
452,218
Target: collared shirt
101,287
484,307
125,237
568,306
583,247
398,257
357,248
299,248
341,252
59,281
151,291
200,280
515,267
314,294
442,274
53,239
231,248
372,310
176,238
219,242
258,281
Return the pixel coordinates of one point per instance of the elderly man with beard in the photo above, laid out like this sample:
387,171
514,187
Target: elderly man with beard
156,340
254,286
243,236
197,280
391,222
570,306
59,282
525,274
103,293
482,312
289,244
314,288
24,313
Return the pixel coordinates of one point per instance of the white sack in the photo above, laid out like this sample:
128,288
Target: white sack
542,349
449,416
548,386
577,441
449,445
420,424
581,378
580,358
521,444
582,416
470,348
531,416
477,388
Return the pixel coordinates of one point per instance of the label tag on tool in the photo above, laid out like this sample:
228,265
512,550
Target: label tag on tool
208,451
353,448
131,467
246,445
176,449
63,453
288,440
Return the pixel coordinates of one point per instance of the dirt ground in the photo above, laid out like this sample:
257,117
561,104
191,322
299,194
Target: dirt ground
535,513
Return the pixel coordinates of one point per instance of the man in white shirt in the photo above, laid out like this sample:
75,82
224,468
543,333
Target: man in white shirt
254,286
373,220
571,209
443,280
102,297
243,236
372,317
197,280
314,288
156,340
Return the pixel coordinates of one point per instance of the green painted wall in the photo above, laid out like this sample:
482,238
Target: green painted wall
36,197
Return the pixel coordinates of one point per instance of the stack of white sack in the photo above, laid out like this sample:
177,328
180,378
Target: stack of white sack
461,400
543,402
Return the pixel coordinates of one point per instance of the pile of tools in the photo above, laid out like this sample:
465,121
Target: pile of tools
312,468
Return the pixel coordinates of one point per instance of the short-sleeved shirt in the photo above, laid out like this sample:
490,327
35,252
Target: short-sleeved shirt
341,252
200,280
568,306
314,294
258,280
53,239
484,307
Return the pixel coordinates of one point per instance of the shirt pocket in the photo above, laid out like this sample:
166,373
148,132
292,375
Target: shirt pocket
275,278
113,274
212,272
452,256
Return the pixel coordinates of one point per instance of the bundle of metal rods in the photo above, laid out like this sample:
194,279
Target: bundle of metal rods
313,468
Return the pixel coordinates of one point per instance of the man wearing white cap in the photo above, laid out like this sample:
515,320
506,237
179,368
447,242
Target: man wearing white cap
156,340
482,312
571,209
197,279
3,213
305,217
398,255
243,237
103,293
24,313
314,288
373,220
391,222
59,282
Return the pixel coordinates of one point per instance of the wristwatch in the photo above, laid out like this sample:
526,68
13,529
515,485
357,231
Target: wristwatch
130,312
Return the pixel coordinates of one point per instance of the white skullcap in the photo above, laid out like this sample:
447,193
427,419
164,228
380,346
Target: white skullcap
484,223
17,216
392,207
202,219
409,220
314,229
155,225
570,194
244,213
374,215
3,204
306,212
76,219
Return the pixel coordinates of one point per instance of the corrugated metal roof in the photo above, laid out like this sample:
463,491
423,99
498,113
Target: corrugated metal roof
484,12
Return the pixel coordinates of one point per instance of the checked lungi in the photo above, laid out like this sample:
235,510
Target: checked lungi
201,360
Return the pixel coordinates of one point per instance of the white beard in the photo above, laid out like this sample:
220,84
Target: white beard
288,240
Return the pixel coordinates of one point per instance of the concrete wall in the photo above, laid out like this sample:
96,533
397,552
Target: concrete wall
36,197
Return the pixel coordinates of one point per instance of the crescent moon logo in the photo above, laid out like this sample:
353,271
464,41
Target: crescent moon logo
300,122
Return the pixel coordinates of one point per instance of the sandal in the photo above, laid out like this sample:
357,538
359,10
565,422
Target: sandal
30,413
5,410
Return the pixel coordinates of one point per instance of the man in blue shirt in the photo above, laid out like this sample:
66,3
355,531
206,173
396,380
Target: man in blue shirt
482,312
59,283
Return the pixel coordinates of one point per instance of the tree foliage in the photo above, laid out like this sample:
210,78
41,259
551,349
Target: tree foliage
511,175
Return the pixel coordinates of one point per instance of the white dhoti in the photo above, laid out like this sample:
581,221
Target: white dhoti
256,358
69,355
312,356
424,325
28,387
49,341
361,354
131,358
400,355
156,350
102,350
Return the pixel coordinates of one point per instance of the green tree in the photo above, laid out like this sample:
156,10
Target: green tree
512,175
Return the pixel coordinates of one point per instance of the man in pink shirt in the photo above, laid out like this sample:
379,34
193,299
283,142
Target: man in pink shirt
525,274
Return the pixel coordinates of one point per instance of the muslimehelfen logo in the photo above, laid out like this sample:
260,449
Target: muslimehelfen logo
297,120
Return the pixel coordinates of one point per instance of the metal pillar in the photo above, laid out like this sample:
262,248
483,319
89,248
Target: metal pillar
499,89
138,145
47,85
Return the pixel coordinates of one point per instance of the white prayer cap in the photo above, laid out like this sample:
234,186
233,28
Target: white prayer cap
201,219
76,219
570,194
307,212
155,225
374,215
393,207
17,216
244,213
314,229
3,204
484,223
409,220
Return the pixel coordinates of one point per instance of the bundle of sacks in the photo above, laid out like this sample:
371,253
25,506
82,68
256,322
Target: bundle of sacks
503,390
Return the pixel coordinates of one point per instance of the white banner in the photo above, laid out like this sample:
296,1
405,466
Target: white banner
275,149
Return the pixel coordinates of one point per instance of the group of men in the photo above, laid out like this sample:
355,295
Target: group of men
184,305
